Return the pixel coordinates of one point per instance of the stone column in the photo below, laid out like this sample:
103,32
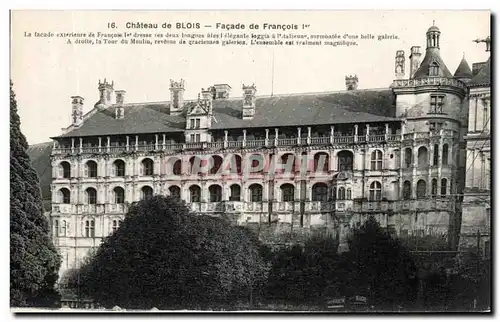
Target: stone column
72,145
332,133
276,134
128,143
267,137
244,143
355,133
298,136
225,139
81,145
99,146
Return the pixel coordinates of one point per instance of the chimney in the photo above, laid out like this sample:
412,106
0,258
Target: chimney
400,64
105,94
249,101
176,97
221,91
476,67
77,110
351,82
120,100
207,98
414,60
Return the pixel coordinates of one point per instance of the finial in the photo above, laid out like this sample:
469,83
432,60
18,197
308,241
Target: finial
464,55
433,22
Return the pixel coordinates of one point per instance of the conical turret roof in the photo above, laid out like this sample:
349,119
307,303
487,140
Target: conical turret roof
463,69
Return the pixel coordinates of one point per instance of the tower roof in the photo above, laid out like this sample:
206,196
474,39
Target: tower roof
433,28
463,69
432,56
483,77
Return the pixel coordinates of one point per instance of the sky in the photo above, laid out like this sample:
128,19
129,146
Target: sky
46,72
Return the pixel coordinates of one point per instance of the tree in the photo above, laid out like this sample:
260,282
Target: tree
165,257
34,262
379,267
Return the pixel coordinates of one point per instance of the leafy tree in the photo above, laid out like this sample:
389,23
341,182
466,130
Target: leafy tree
162,256
379,267
34,262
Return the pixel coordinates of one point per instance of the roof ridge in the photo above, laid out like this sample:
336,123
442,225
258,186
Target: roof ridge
132,104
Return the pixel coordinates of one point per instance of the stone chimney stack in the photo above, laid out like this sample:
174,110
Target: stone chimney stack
120,100
414,60
351,82
249,101
207,97
105,94
77,110
400,64
176,97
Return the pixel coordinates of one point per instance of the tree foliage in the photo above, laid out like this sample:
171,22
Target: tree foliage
34,262
162,256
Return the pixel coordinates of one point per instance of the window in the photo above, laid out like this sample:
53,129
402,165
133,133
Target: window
63,228
445,154
198,123
287,192
255,192
56,228
192,124
119,195
115,225
407,190
89,228
258,163
320,192
375,191
237,160
434,188
435,126
147,167
198,138
421,189
194,193
423,158
235,193
64,196
341,193
91,196
348,194
437,102
147,192
216,164
321,162
345,161
287,163
435,159
192,136
434,69
408,158
177,169
376,160
215,192
91,169
119,168
175,191
444,184
65,170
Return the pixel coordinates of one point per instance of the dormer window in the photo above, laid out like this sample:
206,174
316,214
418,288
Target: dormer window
434,69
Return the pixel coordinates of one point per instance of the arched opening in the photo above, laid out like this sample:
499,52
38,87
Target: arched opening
147,166
64,196
177,167
91,194
375,191
408,158
321,162
235,193
423,158
345,160
90,228
174,191
119,166
434,187
320,192
376,160
407,190
64,170
64,227
444,187
348,194
287,163
237,164
119,195
194,193
435,159
147,192
445,154
287,192
215,192
215,164
341,193
257,163
195,165
255,192
421,189
91,169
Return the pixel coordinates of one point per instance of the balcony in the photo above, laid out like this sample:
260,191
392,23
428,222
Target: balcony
63,208
442,81
318,206
116,208
285,206
287,142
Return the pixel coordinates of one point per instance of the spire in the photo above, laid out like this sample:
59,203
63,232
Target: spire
463,69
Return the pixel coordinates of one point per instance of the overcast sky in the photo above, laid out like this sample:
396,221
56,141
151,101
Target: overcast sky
47,71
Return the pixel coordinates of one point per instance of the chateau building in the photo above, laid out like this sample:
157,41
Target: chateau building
295,162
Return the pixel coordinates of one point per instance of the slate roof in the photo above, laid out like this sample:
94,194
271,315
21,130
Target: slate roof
463,70
40,160
432,55
370,105
483,77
